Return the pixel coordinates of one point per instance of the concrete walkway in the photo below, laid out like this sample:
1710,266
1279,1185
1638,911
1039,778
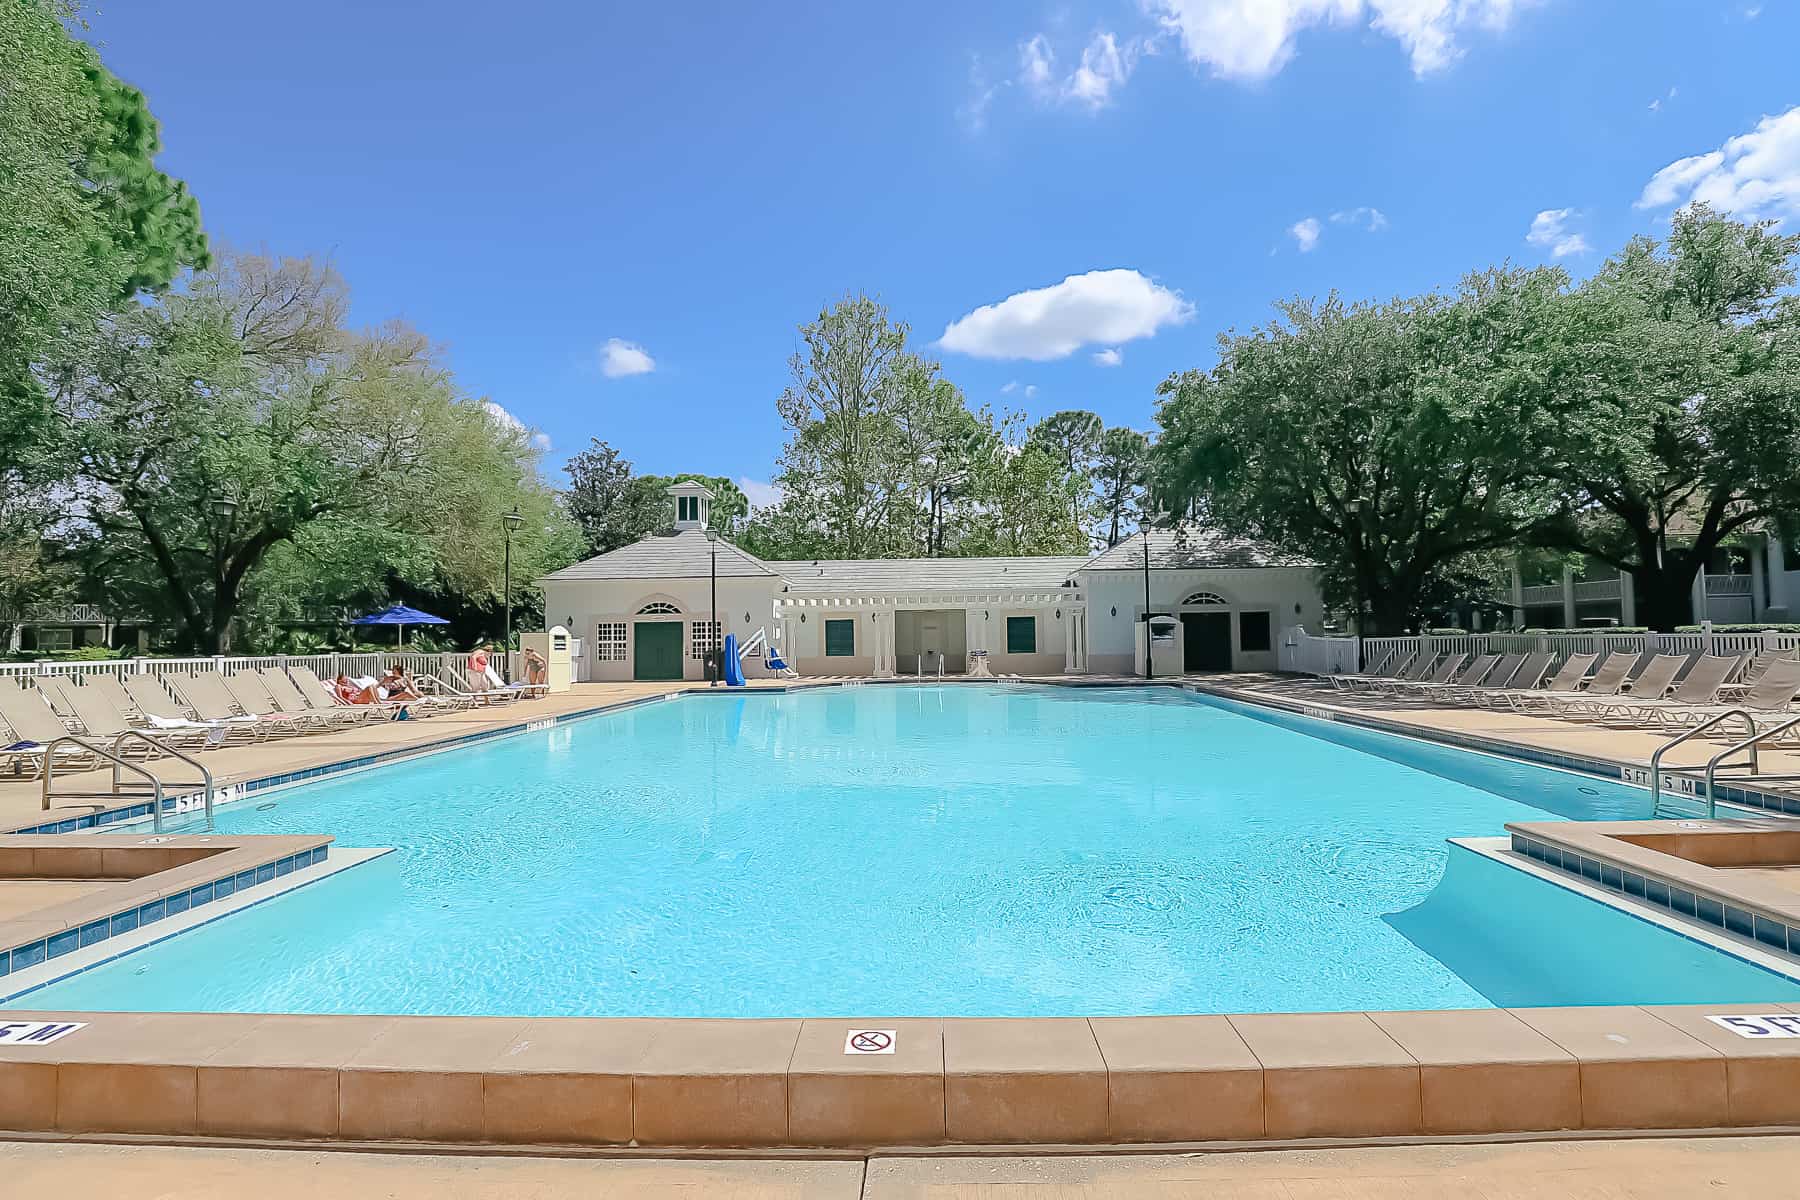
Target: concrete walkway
1663,1169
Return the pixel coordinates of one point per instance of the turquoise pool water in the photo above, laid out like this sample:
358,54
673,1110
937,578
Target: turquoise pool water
993,850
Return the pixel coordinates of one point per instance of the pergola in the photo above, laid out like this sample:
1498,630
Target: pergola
875,609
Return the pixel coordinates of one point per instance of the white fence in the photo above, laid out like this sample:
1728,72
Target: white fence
1302,653
326,666
1394,651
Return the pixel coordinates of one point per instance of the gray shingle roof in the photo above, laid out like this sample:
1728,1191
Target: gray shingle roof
1044,573
680,555
1192,548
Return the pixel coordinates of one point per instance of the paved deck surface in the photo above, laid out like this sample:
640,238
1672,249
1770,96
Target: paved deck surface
1601,1170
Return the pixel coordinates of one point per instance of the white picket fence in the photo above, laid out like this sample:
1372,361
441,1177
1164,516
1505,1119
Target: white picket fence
327,666
1396,650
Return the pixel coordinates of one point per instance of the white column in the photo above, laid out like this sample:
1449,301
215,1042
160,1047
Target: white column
1568,590
1778,600
1069,643
1627,599
1700,594
1518,595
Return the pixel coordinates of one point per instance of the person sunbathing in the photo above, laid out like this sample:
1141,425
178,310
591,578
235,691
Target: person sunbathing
355,691
396,684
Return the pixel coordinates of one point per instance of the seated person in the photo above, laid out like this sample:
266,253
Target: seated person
396,684
355,691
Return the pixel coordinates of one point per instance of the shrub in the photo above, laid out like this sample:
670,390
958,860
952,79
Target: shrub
1765,627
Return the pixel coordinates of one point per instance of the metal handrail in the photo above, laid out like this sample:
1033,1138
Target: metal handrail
206,779
156,786
1750,743
1696,731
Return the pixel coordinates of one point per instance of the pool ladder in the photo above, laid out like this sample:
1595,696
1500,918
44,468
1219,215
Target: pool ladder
147,782
1662,805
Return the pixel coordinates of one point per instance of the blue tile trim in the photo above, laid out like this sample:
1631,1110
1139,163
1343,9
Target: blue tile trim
18,958
1751,927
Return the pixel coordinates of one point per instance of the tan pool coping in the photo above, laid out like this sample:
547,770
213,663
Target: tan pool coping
787,1083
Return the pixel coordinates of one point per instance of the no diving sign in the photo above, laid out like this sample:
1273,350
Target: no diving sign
1762,1025
870,1041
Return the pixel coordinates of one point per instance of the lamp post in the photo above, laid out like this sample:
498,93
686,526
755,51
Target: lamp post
511,521
1353,510
714,660
1149,668
225,508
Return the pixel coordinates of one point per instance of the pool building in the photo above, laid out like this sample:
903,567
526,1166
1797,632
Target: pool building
647,611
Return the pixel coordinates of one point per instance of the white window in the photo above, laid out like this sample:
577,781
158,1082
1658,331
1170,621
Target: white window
1205,598
609,641
659,608
703,637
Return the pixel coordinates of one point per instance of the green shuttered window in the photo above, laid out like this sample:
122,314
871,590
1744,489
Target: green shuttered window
840,639
1021,635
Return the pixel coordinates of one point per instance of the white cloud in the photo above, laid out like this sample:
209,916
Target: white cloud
1100,307
760,494
1030,390
619,358
982,91
1754,175
1109,357
1254,39
1009,387
1105,65
1550,230
537,438
1656,104
1305,233
1371,219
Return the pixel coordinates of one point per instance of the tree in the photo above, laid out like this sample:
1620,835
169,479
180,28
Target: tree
939,442
1384,441
343,448
1681,365
1121,466
1071,437
85,217
1023,501
615,507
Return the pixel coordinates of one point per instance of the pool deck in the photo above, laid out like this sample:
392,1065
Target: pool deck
1723,1167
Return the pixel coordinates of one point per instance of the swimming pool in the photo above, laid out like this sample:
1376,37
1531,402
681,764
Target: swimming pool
965,850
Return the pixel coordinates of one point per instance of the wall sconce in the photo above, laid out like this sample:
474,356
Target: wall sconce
746,618
1115,610
984,614
1296,609
803,618
1059,614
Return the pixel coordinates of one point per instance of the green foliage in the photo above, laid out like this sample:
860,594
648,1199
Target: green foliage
351,459
85,217
884,458
1764,627
614,507
1387,441
1121,469
1679,367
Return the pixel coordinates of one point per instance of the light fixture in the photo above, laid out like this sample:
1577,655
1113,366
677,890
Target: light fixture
513,520
1115,610
746,618
712,535
1059,614
1353,505
224,507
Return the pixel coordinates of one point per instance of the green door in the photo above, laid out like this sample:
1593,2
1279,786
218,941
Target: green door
656,650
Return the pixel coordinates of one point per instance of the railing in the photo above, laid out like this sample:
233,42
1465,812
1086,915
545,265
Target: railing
1709,775
1657,808
1600,641
120,764
1598,589
1728,585
326,666
1542,593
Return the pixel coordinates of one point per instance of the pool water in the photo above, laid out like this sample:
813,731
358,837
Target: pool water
964,850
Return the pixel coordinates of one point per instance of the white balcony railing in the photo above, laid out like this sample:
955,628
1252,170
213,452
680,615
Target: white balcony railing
1598,589
1542,593
1728,585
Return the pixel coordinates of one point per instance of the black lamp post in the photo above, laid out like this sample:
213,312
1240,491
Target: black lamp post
1149,649
225,508
714,658
511,521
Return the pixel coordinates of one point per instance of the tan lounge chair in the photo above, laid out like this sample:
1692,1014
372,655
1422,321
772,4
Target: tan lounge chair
1566,681
31,728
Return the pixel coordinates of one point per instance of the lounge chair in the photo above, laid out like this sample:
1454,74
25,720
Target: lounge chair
1423,666
322,696
1567,680
1652,683
32,726
1769,701
495,683
100,717
480,689
163,713
290,697
1699,688
1448,668
1608,678
208,699
1388,668
1470,676
246,688
442,694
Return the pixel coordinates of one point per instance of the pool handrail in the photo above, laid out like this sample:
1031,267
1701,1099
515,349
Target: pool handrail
1688,735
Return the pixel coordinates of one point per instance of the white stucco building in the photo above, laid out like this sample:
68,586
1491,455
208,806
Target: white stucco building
653,609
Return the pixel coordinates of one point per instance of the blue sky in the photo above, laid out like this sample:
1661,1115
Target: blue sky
532,183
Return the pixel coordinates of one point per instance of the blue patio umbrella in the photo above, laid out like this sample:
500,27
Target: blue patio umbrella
401,616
